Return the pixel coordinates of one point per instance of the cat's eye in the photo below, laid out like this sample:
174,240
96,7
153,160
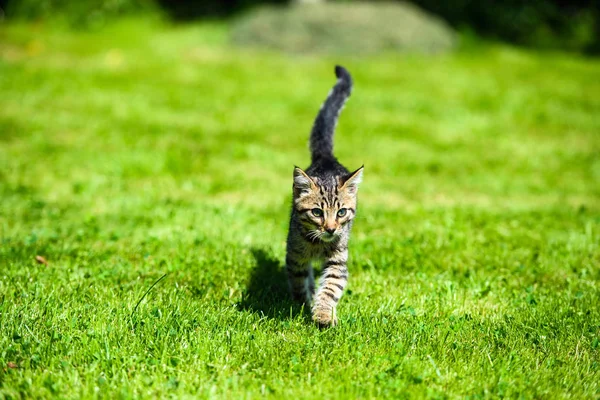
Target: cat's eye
341,212
317,212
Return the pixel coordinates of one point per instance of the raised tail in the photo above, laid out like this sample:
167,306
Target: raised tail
321,137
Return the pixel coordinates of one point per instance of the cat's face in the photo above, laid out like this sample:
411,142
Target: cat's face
325,207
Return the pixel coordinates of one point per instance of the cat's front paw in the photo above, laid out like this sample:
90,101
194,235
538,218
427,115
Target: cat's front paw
325,318
302,299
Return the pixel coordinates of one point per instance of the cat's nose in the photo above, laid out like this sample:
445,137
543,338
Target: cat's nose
330,230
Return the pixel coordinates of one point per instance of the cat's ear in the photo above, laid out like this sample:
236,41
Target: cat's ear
352,181
303,184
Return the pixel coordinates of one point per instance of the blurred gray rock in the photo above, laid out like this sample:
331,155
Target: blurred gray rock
353,27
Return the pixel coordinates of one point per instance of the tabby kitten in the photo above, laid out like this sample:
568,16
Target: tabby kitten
322,213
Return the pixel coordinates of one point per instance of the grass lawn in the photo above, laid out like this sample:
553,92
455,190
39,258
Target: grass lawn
144,150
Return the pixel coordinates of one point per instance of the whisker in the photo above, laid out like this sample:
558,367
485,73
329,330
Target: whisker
312,235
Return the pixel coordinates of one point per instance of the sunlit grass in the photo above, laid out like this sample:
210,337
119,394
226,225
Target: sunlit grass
146,149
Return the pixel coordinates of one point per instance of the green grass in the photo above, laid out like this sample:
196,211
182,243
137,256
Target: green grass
144,150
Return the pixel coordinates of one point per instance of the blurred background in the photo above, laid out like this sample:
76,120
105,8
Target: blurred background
560,24
178,95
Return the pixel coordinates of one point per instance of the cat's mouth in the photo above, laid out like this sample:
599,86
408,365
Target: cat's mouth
327,237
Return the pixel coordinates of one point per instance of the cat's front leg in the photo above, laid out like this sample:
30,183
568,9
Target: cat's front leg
331,287
300,277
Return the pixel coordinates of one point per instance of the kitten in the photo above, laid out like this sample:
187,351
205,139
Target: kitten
323,209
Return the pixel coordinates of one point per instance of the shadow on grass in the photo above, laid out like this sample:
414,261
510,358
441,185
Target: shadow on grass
267,291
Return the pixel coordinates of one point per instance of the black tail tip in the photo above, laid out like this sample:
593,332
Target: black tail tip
342,73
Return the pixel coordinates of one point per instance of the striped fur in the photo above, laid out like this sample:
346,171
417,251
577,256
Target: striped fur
323,209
